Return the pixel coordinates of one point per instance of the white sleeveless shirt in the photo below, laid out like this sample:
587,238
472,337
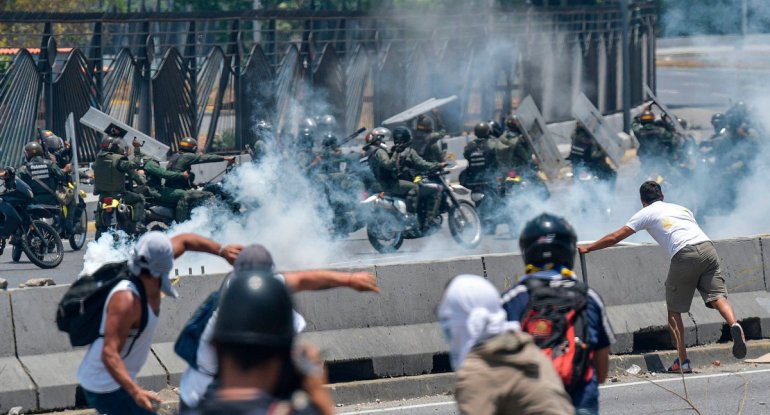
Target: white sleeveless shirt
92,375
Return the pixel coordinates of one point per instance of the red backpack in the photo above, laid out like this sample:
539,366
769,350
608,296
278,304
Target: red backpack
557,318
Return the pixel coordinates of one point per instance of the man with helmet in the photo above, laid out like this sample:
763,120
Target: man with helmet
585,153
694,263
56,148
514,151
256,258
410,165
186,157
305,143
112,172
656,143
264,134
548,244
385,170
481,174
44,177
426,141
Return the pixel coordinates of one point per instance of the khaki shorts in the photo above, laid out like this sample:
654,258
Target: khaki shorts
694,266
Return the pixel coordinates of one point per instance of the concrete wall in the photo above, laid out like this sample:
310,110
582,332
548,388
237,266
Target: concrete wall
367,336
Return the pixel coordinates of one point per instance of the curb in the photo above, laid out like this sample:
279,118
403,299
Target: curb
411,387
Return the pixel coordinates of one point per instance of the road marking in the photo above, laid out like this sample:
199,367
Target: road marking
620,385
400,408
687,378
668,91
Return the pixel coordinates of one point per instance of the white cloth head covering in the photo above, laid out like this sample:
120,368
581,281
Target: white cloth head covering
153,252
470,312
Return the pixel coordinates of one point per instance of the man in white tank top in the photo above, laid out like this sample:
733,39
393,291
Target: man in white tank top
108,371
694,264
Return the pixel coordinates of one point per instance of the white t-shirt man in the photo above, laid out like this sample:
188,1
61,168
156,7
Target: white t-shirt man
672,226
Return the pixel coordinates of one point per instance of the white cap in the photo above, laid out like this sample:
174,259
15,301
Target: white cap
154,253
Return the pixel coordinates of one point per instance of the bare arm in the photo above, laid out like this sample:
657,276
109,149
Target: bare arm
607,240
324,279
123,312
601,363
191,242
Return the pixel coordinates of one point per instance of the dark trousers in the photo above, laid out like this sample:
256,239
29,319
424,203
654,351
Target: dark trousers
114,403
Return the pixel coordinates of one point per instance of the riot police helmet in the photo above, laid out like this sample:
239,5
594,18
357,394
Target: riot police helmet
33,149
53,144
111,144
328,123
424,123
513,123
682,122
495,128
188,145
264,125
306,138
647,117
481,130
402,136
330,142
718,121
308,123
379,134
255,309
548,241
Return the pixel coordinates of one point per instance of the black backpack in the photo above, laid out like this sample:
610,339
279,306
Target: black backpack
189,339
80,310
557,318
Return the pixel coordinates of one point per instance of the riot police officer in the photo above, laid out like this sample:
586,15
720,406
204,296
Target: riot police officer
264,135
586,153
58,150
185,158
655,142
254,339
305,143
44,177
426,141
410,165
482,163
513,151
112,170
385,170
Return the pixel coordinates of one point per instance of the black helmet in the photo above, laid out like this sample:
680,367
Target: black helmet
308,123
513,123
188,145
718,121
424,123
330,142
380,134
255,309
495,128
548,239
481,130
402,136
33,149
111,144
306,138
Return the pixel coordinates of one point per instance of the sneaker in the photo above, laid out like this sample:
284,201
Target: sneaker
739,341
677,368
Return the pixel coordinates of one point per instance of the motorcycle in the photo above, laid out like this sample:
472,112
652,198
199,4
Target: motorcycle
113,214
35,238
56,216
389,223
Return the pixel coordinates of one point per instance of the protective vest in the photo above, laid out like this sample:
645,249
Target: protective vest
40,169
180,162
481,160
380,172
107,176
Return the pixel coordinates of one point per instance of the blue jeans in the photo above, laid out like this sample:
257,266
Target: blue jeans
114,403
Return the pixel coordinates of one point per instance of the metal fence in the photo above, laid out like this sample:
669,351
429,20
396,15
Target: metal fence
213,76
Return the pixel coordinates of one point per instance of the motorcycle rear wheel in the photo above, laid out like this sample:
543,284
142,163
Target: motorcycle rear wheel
465,225
385,232
44,247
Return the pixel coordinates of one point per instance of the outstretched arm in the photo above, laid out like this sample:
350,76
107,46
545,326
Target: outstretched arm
191,242
317,280
607,240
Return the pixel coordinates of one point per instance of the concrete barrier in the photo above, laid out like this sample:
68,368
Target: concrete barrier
367,336
16,387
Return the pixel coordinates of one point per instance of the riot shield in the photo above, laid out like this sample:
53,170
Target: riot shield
586,114
536,132
664,109
69,128
418,109
103,123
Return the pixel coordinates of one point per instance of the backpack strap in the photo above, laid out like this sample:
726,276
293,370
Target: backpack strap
143,301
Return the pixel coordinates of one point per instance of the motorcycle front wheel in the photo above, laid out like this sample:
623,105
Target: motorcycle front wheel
42,245
79,231
465,225
385,232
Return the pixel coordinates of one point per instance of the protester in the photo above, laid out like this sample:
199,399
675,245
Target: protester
196,380
500,370
567,319
694,264
260,372
109,369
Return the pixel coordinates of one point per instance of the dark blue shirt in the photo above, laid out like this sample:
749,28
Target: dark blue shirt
600,333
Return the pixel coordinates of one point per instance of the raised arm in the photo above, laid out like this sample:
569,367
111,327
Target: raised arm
191,242
317,280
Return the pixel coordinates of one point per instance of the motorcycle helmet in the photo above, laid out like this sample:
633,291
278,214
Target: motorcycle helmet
647,117
53,144
548,240
424,123
111,144
718,121
306,138
513,123
308,123
188,145
328,123
379,134
330,142
33,149
495,128
255,309
402,136
481,130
